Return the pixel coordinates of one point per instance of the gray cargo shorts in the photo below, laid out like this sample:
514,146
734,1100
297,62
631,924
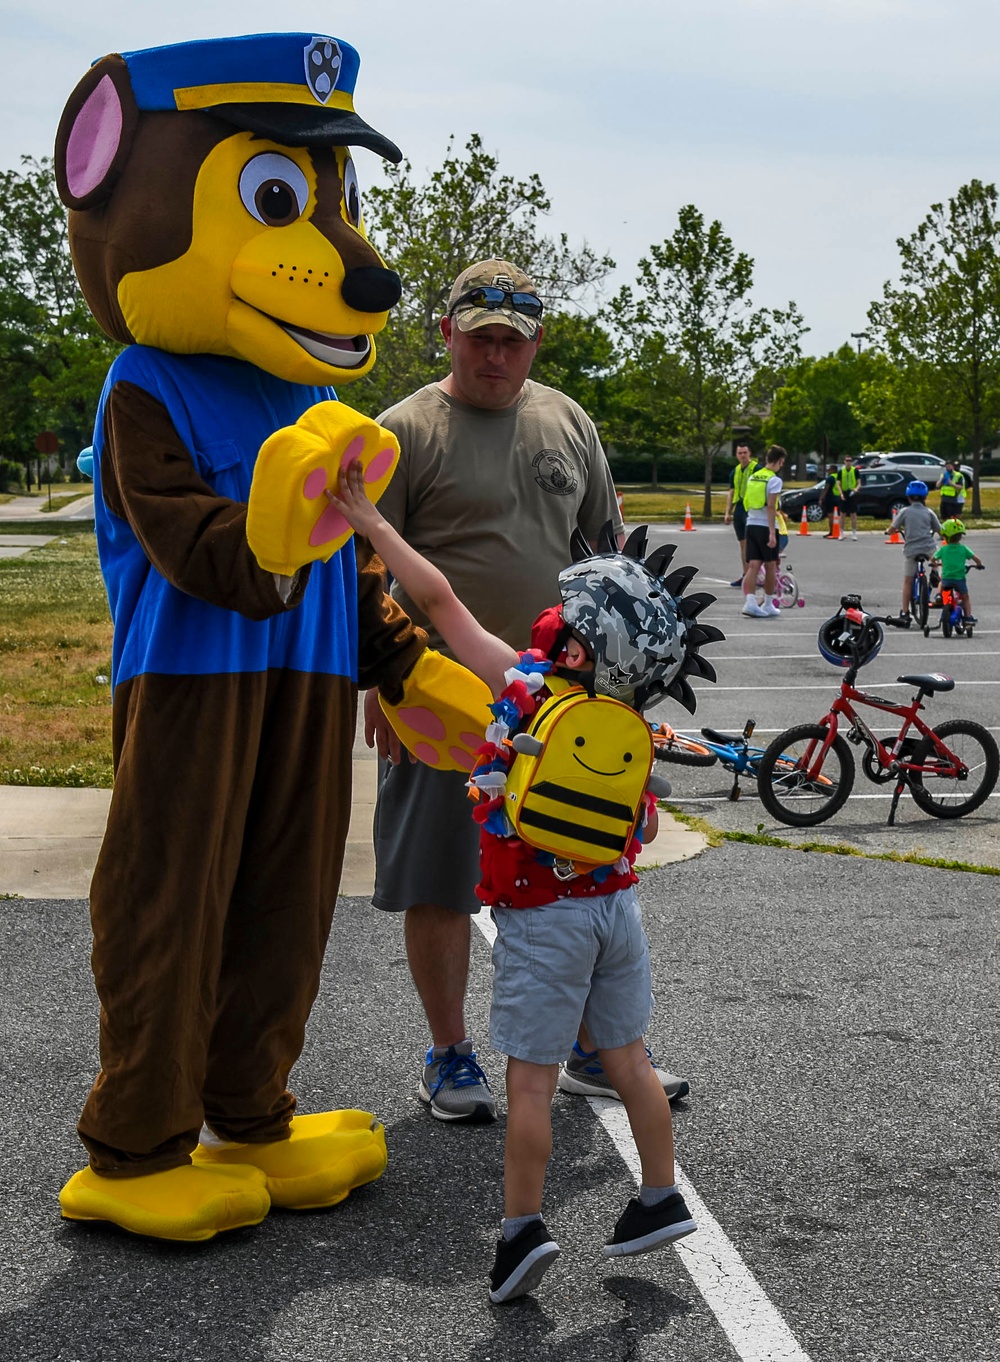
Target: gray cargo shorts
426,843
574,960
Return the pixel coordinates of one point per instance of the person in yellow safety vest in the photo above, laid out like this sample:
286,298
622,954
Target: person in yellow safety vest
952,487
761,501
736,511
831,499
848,493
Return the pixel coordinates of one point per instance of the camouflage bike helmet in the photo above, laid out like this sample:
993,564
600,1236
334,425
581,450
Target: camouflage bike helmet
644,638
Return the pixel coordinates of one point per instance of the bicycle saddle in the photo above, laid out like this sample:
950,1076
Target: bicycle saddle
930,683
713,736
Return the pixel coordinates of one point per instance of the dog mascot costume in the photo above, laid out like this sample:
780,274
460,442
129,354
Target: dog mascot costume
216,231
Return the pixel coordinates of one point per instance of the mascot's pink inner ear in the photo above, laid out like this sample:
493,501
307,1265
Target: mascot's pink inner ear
94,139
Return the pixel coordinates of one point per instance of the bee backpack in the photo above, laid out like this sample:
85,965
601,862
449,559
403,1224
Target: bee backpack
575,787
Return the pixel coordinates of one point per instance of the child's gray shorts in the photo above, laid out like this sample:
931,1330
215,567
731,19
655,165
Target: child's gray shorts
574,960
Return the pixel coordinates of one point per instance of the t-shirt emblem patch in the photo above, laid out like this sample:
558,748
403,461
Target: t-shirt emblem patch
554,472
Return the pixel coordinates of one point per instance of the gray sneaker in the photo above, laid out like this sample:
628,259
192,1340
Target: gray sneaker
455,1087
584,1074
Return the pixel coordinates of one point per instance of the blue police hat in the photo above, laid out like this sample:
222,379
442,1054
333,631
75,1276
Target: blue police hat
294,87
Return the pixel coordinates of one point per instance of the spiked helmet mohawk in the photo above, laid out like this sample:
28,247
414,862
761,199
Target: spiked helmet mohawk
643,632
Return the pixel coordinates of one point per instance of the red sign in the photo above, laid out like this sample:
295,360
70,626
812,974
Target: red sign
47,442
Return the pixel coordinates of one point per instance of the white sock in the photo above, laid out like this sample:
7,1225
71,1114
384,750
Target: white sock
651,1196
513,1227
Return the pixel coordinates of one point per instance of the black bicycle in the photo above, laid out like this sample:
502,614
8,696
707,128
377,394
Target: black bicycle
920,600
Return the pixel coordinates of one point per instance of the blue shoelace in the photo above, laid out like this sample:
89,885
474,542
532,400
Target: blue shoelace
461,1071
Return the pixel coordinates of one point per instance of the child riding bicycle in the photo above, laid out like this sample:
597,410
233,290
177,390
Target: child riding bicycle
918,525
954,557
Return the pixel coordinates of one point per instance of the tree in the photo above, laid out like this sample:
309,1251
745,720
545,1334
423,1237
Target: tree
53,356
819,406
429,231
942,324
692,300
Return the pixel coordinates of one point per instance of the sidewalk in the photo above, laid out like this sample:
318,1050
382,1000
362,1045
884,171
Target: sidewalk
33,507
49,838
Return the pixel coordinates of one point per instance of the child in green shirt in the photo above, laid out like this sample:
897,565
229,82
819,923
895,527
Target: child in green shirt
953,557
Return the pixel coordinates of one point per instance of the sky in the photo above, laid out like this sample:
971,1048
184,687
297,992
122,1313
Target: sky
816,131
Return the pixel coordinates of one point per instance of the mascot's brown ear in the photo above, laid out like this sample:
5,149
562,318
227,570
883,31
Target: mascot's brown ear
95,134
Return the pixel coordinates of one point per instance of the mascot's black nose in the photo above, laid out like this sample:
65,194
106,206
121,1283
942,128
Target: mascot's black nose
369,288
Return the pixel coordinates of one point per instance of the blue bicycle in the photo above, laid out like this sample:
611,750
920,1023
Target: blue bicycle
732,750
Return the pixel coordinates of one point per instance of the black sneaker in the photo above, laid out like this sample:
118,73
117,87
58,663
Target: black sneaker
522,1262
643,1228
971,619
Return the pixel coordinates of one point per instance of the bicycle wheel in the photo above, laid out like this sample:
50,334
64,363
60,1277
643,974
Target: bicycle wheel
795,797
922,599
682,751
946,796
787,591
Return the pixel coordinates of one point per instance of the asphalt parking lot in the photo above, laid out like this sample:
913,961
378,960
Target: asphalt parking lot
771,670
836,1018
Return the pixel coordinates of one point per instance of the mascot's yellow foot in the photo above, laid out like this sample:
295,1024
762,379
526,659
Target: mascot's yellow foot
323,1160
184,1203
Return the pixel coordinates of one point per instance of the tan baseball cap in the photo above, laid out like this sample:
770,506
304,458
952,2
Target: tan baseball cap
487,274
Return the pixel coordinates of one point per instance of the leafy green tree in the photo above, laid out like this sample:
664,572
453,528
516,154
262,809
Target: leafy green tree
819,406
941,325
429,230
52,354
645,411
692,295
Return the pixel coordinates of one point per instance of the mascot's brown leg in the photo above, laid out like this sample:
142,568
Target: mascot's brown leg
279,921
185,749
211,906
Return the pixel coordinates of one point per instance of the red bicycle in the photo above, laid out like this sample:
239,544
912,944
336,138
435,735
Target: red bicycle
807,772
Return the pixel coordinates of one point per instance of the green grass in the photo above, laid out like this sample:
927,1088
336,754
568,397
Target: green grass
55,648
716,836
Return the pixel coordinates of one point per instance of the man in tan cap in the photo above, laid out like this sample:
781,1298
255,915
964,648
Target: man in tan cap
495,472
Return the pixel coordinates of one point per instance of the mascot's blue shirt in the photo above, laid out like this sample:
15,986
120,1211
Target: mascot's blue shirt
223,410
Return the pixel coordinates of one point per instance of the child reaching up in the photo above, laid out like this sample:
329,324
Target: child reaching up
570,947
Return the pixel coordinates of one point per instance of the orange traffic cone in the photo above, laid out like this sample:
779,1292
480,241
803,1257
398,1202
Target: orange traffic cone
804,522
835,531
688,522
895,538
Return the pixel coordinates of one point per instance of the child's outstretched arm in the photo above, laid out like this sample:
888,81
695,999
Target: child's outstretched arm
477,649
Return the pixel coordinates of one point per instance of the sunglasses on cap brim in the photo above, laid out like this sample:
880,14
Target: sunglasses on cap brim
490,298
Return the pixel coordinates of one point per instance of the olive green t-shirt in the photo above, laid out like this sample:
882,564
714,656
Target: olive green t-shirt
492,497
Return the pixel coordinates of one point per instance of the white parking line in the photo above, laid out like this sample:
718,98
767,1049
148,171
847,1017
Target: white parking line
728,1287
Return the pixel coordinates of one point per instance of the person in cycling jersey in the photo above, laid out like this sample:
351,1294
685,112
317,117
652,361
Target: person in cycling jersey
918,525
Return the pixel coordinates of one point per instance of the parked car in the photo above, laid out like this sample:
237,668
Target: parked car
927,467
881,492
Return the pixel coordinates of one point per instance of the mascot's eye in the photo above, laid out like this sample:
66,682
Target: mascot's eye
352,194
274,189
627,756
581,742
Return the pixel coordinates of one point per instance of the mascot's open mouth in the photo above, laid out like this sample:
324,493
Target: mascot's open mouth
343,352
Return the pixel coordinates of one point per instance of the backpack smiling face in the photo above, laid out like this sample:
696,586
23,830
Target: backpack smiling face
581,798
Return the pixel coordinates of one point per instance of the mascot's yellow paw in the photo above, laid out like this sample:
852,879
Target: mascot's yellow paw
289,520
443,714
184,1203
325,1157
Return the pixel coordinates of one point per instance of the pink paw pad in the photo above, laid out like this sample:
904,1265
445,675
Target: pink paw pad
425,722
